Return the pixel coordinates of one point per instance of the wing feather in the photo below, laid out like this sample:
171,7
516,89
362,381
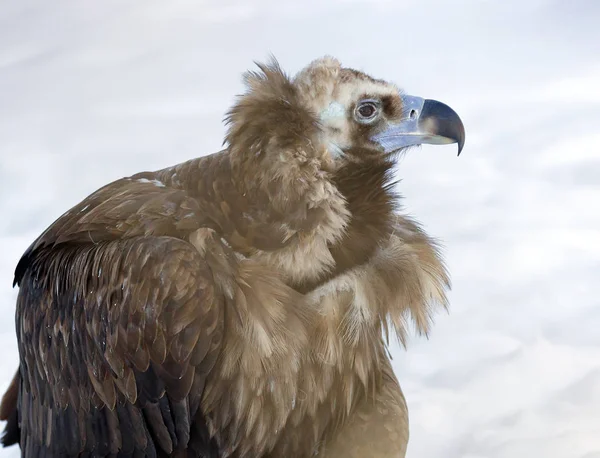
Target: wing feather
116,339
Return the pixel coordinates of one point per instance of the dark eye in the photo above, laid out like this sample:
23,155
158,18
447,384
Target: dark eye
366,111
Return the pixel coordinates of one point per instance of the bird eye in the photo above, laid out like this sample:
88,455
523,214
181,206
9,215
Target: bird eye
366,111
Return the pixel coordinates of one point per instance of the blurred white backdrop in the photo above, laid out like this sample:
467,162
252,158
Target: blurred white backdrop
91,91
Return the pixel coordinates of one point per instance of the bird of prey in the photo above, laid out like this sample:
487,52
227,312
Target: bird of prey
238,304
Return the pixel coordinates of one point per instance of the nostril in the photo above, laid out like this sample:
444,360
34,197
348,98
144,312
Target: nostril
413,114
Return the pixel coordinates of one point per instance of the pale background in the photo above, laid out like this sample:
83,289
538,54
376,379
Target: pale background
91,91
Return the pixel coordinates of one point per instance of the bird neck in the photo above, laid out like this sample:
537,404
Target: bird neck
367,188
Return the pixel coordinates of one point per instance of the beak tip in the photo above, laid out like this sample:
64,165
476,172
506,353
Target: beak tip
447,123
461,144
459,132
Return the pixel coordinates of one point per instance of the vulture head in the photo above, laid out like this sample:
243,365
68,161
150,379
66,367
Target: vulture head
339,110
358,112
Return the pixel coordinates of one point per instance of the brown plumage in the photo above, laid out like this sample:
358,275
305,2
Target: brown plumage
234,305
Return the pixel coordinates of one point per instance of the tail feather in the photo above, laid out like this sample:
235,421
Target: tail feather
9,413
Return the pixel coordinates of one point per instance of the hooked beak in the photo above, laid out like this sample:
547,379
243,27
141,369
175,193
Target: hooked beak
423,121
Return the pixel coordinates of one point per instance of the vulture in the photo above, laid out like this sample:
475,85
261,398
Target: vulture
238,304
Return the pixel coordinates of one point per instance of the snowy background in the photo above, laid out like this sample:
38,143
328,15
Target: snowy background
91,91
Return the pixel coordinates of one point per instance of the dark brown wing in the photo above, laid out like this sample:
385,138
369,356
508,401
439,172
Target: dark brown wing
116,339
